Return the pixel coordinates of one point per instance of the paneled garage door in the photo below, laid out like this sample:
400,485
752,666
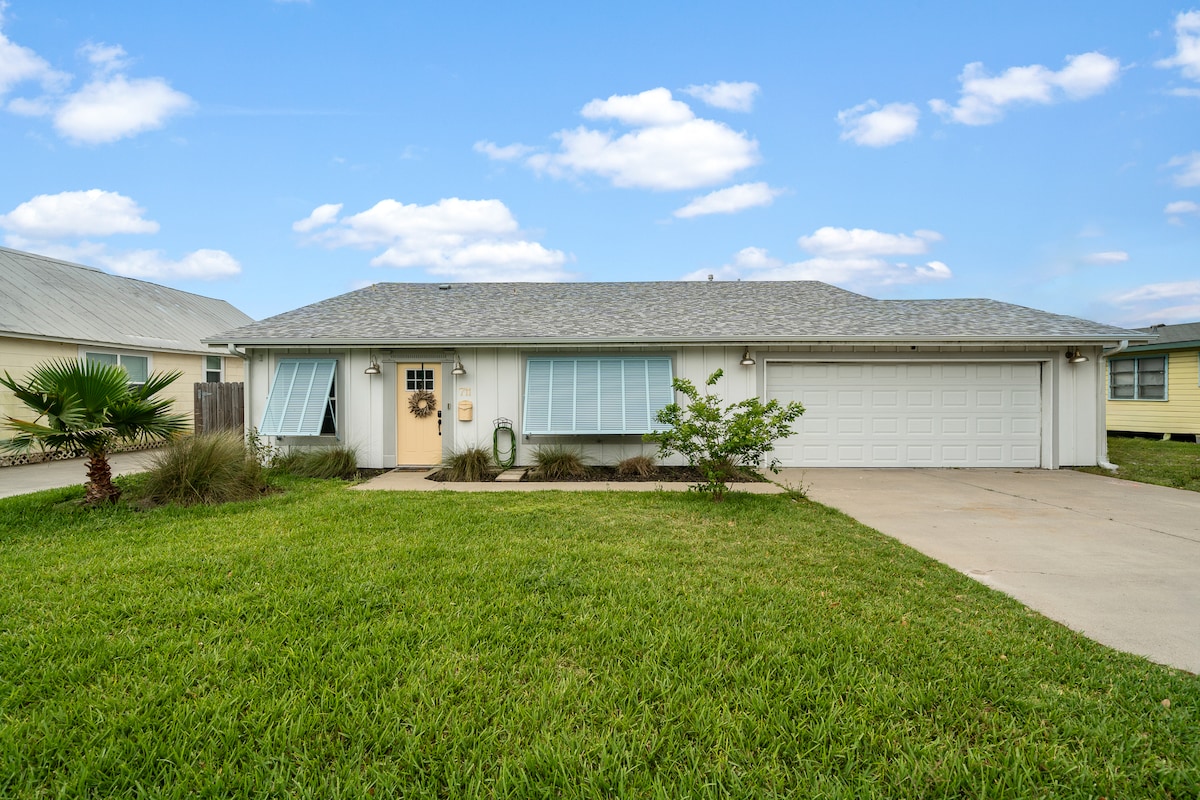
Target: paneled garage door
910,415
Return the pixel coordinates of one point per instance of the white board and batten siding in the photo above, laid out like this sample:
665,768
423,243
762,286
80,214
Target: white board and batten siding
932,414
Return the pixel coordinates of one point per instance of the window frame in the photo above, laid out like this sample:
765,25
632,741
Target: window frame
554,383
207,371
120,355
329,426
1137,372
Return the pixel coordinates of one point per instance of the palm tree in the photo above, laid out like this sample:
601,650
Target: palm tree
89,406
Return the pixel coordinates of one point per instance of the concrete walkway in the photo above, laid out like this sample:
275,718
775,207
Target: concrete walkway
1115,560
415,481
55,474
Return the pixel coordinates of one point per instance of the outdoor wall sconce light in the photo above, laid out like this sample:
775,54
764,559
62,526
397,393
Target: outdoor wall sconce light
1076,357
373,367
747,361
459,369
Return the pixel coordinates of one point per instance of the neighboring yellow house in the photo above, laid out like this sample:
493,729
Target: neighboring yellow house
55,309
1155,388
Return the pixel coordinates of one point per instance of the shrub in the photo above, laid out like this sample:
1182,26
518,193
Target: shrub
719,439
209,468
558,463
637,467
324,462
472,464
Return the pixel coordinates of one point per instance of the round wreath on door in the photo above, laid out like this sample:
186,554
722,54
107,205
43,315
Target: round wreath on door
422,403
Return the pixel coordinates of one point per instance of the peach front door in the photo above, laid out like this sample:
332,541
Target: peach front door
418,438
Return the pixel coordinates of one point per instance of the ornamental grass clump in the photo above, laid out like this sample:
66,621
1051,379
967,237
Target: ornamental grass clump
326,462
473,464
556,463
209,468
637,467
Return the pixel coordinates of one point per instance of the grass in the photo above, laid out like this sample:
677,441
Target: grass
326,643
1174,464
555,463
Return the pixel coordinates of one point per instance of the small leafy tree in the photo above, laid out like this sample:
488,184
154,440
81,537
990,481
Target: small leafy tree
89,406
719,440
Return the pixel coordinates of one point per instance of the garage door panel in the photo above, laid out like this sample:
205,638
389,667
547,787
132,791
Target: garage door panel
935,414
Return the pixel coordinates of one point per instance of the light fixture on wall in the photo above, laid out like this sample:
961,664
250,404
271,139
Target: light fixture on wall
373,367
746,361
1076,357
459,369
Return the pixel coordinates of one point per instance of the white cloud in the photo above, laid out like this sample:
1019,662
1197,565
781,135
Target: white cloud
108,107
872,125
55,224
1177,210
20,64
650,108
476,240
1187,46
105,58
853,259
730,200
866,243
729,96
669,148
199,265
1159,303
1189,169
984,97
509,152
1107,257
753,263
88,213
113,108
321,216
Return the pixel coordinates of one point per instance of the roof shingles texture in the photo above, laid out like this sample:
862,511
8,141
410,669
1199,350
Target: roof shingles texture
668,311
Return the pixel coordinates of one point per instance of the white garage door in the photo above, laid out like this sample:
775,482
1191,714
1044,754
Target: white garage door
910,415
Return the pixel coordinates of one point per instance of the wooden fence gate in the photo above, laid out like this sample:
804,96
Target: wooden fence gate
219,407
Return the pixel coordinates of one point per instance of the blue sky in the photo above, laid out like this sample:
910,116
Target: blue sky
278,153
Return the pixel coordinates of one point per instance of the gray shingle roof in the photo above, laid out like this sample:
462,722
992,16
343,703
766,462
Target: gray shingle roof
1172,337
396,314
45,298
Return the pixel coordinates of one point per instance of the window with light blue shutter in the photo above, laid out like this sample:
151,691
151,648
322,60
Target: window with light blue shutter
301,401
597,395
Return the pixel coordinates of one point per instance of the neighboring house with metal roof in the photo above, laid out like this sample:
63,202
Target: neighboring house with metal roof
56,309
885,383
1155,387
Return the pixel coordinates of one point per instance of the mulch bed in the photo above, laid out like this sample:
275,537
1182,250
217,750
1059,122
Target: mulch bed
610,475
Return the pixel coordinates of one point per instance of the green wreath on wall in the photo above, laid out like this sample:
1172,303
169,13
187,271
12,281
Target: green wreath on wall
422,403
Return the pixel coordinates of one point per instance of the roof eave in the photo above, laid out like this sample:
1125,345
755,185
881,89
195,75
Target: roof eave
739,341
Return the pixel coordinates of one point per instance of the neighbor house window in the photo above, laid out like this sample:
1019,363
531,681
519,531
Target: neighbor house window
1138,378
136,367
214,371
599,395
303,399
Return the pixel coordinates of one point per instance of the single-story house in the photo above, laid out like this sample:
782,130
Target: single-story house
55,309
1155,387
407,373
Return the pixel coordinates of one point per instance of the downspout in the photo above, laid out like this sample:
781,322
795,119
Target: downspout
1105,354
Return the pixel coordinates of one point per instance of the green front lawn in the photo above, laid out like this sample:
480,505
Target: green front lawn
1174,464
328,643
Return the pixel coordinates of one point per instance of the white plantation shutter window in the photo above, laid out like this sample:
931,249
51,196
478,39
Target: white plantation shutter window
599,395
299,398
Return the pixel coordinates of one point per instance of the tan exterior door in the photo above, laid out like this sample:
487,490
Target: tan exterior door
418,438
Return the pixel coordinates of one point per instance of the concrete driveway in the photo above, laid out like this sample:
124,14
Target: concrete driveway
1115,560
55,474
